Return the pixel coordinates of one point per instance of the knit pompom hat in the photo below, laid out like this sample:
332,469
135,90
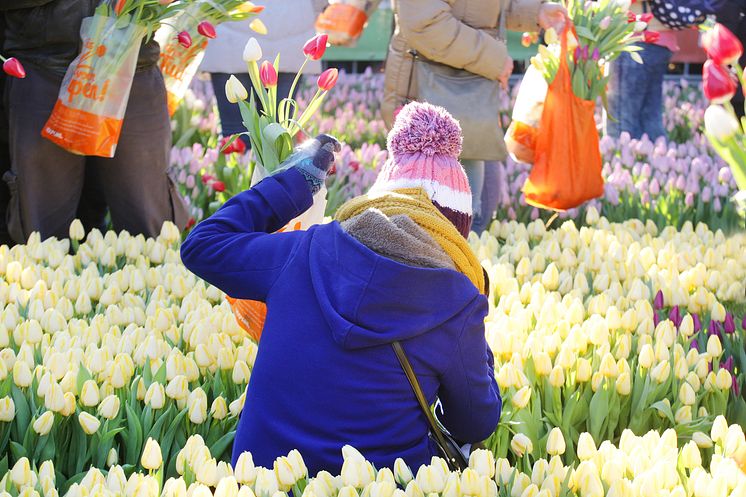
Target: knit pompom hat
424,146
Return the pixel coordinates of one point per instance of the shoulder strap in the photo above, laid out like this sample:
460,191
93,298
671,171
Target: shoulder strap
412,377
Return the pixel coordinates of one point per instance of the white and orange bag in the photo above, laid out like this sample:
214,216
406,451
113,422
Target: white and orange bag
178,63
87,118
344,20
251,314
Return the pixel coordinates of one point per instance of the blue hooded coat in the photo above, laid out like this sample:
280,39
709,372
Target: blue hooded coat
325,374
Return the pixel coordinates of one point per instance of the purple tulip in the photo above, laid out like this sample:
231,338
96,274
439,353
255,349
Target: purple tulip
697,323
729,325
728,364
596,54
689,199
675,316
577,55
658,301
743,323
586,53
736,388
656,319
715,329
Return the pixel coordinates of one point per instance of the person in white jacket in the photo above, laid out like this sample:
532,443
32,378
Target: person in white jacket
290,23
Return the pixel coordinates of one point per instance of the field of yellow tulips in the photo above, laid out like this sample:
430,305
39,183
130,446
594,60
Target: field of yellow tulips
619,350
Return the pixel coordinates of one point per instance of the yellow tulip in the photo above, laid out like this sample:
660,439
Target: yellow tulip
555,442
43,424
714,348
7,410
21,474
623,384
521,444
723,380
152,458
109,407
686,394
690,457
583,370
89,423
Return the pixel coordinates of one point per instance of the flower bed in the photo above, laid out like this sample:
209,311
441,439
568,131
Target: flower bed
117,343
669,182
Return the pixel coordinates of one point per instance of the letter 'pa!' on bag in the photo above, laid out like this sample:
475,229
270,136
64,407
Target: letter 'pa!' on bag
87,117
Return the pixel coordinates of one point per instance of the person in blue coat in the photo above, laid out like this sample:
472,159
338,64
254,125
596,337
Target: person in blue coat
392,267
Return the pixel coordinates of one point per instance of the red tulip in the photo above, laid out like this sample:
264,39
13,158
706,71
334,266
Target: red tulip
268,74
13,67
206,178
119,6
646,18
631,17
722,46
328,79
185,39
315,47
719,83
236,147
218,186
650,36
206,29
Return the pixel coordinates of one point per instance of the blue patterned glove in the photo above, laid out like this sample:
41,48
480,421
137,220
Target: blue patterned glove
313,159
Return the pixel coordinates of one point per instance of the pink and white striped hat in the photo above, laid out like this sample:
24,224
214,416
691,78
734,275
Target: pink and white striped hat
424,146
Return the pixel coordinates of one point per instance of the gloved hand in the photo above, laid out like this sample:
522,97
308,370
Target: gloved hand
313,159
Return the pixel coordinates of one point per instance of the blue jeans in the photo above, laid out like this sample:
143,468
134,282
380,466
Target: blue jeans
230,115
636,93
484,183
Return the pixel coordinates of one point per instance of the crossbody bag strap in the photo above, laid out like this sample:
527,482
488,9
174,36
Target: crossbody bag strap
412,377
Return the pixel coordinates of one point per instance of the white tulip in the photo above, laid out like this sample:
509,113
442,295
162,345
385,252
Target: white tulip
235,91
720,124
252,51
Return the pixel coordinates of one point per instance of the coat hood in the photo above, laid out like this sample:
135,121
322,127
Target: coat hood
369,300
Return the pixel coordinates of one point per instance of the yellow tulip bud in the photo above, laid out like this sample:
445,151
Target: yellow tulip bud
583,370
178,388
152,458
245,471
624,384
89,396
702,440
69,407
542,364
690,457
89,423
683,414
586,447
7,410
557,377
521,445
155,396
20,474
714,348
687,395
646,357
43,424
219,408
521,398
22,374
661,371
197,403
723,380
109,407
608,366
717,312
555,442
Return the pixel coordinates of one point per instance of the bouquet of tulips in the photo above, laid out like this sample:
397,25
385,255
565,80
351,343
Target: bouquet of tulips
271,131
601,32
184,38
87,117
721,76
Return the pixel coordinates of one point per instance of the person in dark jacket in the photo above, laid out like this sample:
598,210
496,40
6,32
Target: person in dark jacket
46,181
393,266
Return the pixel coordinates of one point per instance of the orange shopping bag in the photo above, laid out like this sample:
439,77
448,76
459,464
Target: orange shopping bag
87,118
567,161
343,22
251,314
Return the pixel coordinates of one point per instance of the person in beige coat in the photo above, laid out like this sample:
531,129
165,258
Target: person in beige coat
461,34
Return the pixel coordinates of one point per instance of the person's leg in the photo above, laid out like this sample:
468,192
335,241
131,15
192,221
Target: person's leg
92,208
45,180
655,65
490,193
140,194
626,84
475,172
4,166
284,82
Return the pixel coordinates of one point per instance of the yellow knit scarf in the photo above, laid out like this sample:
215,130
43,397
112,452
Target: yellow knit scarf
415,203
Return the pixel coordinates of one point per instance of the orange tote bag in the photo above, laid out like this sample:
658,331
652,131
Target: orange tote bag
567,165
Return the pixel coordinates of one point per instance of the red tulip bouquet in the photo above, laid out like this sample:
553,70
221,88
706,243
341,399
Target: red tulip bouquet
721,76
271,131
183,40
87,118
